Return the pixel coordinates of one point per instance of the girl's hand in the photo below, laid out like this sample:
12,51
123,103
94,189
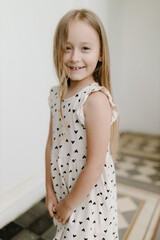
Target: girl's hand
63,212
51,201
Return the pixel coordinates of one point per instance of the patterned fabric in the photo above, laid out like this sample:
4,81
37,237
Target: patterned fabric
96,217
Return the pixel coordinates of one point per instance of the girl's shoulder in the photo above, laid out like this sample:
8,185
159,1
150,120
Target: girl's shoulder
94,88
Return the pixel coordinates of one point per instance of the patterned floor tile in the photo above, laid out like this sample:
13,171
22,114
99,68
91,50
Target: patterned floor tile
142,145
144,175
41,224
26,219
122,233
143,218
50,233
25,235
142,178
9,231
38,209
129,216
157,236
126,204
122,222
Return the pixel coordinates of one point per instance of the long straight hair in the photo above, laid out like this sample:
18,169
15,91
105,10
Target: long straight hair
101,73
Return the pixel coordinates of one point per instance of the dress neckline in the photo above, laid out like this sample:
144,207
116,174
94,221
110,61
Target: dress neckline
68,99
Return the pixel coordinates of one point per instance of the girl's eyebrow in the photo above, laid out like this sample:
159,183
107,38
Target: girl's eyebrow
86,43
81,43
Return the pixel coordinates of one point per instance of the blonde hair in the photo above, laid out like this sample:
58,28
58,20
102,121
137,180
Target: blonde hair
102,72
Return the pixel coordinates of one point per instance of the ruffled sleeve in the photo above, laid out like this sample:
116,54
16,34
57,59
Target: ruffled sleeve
51,96
96,87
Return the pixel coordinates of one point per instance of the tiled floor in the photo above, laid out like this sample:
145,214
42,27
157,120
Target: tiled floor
138,184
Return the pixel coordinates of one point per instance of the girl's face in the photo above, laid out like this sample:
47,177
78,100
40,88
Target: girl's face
82,51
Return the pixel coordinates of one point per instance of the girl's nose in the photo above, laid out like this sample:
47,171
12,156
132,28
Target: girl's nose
75,56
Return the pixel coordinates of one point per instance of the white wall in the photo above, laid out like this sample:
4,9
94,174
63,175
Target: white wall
27,73
140,90
115,34
134,37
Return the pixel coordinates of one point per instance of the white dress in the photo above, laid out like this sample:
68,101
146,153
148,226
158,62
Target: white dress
96,217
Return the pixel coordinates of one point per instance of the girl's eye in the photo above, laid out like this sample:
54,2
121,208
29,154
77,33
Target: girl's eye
68,48
85,48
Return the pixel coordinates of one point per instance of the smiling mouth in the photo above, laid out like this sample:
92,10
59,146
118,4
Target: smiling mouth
75,68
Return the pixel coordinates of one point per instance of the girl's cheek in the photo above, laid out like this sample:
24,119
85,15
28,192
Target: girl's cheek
64,58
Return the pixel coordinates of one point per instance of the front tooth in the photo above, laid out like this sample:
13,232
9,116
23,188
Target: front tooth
76,68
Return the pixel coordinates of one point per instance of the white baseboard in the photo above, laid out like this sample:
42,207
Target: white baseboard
21,198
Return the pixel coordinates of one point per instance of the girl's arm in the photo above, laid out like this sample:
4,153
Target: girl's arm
51,200
98,115
48,178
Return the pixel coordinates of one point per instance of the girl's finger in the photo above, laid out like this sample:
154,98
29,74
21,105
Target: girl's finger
51,213
63,221
55,215
54,209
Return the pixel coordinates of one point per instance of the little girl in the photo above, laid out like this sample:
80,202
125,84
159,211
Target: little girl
81,193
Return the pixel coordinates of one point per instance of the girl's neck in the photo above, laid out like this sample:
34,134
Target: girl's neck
76,86
73,85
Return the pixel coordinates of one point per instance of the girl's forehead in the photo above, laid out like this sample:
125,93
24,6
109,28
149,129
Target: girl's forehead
81,31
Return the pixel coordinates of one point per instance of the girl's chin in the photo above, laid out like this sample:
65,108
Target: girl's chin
76,76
